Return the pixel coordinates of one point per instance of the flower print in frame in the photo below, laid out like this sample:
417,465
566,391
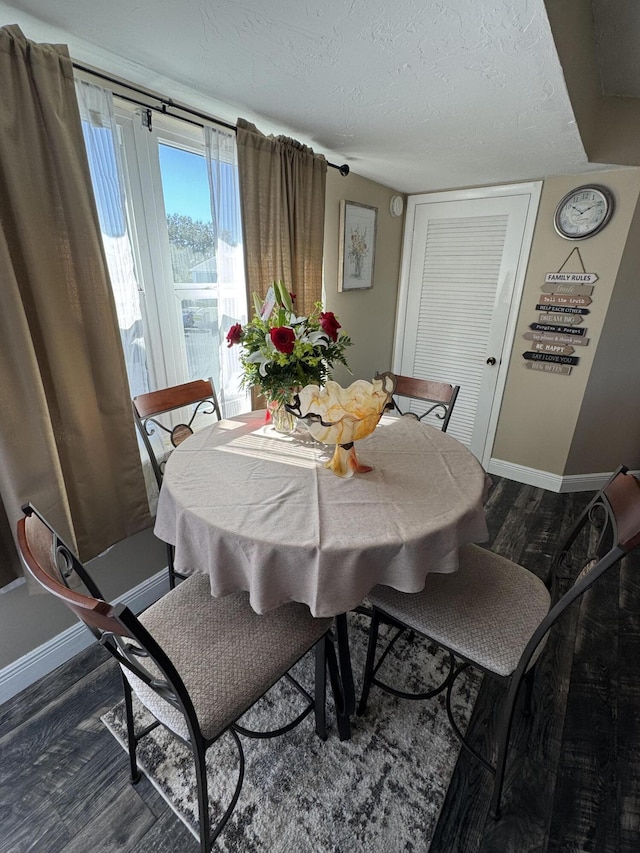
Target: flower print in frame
357,245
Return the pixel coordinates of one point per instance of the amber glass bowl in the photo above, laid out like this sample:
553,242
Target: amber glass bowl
341,416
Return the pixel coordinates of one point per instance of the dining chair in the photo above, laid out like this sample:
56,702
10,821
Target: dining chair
440,397
160,434
495,615
197,663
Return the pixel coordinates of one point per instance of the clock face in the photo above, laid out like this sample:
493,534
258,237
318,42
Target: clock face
583,212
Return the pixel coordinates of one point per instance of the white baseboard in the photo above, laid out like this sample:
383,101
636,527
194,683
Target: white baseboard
61,648
546,480
13,585
522,474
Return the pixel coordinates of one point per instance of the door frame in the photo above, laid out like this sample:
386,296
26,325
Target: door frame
534,190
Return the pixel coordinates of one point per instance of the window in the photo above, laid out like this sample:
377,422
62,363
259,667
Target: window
169,211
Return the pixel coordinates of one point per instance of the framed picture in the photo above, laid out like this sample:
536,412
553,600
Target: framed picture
357,245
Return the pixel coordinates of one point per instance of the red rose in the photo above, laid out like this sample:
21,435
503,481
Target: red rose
283,339
234,335
330,325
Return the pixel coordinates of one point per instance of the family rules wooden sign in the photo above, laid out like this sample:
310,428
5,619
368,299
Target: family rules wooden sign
558,332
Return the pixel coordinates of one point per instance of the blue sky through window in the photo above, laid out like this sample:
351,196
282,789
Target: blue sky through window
185,183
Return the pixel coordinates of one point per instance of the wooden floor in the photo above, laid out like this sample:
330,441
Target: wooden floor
573,781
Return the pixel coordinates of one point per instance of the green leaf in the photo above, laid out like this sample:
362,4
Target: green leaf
288,304
257,304
284,298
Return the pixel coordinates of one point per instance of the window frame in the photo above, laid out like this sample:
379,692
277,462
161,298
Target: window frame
164,332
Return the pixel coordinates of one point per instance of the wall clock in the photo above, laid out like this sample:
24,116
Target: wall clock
396,205
583,212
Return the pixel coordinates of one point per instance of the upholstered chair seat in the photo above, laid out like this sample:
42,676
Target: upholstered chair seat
486,611
249,652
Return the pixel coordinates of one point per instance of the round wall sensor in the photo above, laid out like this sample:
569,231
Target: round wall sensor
396,205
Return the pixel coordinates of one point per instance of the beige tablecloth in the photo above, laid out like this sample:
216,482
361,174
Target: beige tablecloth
258,512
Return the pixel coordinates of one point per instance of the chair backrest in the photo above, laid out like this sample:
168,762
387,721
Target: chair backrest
54,566
147,408
440,397
606,531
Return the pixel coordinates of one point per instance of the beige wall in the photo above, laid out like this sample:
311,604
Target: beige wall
30,617
609,125
572,26
555,424
367,315
608,427
540,418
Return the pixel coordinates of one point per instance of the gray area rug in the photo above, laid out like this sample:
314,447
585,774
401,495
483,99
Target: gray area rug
380,792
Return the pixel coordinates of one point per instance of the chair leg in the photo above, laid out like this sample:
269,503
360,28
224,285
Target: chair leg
369,665
320,693
203,798
502,746
172,576
348,703
344,730
528,694
132,743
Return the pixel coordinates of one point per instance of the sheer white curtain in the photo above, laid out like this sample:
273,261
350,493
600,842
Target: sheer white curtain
222,168
101,135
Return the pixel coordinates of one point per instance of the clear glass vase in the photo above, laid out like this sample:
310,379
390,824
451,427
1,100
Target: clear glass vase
281,420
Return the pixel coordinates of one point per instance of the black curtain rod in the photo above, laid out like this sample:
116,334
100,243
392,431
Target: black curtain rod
168,103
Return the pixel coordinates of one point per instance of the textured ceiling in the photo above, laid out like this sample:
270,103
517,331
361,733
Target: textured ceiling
416,94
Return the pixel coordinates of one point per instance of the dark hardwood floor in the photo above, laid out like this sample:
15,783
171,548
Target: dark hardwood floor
573,781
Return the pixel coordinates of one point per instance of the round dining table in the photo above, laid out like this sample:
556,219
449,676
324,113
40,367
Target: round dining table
256,510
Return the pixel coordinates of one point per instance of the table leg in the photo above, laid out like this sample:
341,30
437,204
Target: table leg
344,691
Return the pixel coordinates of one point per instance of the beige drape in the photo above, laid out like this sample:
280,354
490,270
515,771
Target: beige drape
282,194
67,439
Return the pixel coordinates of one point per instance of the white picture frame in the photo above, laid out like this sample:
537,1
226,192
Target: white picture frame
357,246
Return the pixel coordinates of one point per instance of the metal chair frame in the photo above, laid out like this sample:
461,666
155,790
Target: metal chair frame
441,395
130,643
614,516
147,408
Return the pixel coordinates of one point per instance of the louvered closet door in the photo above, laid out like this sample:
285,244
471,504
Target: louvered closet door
463,258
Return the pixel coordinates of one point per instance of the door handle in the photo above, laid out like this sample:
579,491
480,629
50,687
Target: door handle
491,360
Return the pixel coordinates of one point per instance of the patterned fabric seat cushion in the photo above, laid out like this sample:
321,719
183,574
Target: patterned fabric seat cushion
486,611
227,654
